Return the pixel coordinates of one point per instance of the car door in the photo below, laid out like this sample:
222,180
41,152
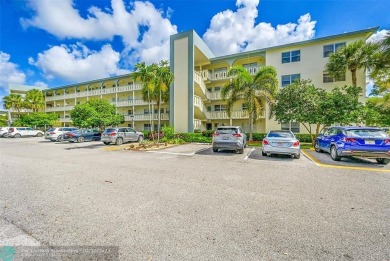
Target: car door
132,134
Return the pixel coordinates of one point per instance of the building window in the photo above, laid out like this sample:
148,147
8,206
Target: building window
328,78
290,57
332,48
219,107
291,126
147,127
288,79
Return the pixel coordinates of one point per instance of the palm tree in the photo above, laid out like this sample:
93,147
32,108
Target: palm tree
146,75
35,100
256,91
13,101
163,80
352,57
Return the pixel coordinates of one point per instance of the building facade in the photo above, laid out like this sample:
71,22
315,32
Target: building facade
195,95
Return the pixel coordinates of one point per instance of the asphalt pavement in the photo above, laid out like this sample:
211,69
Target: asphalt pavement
184,203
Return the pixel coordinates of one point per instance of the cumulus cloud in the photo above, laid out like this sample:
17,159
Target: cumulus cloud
77,62
144,29
9,73
236,31
378,36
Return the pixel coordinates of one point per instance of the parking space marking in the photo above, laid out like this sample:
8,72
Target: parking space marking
249,153
319,164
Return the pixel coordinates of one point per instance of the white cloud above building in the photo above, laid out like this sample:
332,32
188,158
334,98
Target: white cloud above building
236,31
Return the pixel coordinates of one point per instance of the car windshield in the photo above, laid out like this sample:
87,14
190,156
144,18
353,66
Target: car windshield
109,130
367,133
227,131
281,134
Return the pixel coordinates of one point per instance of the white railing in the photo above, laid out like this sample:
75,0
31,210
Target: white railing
60,108
146,117
131,103
197,124
234,115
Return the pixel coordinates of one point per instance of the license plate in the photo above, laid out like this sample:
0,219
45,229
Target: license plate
371,142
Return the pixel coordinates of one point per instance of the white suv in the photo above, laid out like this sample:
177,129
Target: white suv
4,132
17,132
58,134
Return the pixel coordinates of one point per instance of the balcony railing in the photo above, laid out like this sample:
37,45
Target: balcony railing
146,117
60,108
126,88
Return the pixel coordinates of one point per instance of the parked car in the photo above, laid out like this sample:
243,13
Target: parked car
367,142
82,135
229,138
4,132
120,135
281,142
18,132
58,134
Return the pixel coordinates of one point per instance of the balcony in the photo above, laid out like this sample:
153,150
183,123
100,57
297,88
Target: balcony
146,117
216,115
60,108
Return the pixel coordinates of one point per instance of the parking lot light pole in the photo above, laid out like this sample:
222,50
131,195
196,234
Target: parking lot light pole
132,121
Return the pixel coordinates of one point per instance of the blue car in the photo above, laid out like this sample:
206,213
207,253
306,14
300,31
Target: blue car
366,142
82,135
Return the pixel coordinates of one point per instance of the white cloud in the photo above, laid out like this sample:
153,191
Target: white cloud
9,73
78,63
378,36
236,31
144,29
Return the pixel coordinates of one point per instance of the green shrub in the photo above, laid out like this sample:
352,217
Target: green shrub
168,132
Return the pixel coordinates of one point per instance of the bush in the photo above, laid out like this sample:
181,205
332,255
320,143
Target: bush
168,132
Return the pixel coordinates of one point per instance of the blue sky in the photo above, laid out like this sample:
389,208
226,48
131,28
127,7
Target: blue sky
55,42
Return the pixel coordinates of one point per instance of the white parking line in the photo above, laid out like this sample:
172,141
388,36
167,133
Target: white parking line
249,153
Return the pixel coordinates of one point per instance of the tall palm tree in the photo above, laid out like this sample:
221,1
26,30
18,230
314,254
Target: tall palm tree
163,80
352,57
35,100
146,75
257,91
13,101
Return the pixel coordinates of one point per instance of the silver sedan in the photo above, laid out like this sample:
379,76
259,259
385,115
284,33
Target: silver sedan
281,142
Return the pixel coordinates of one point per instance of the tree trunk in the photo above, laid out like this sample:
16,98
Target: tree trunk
354,80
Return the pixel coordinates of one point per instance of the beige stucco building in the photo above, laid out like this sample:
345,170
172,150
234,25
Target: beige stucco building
195,96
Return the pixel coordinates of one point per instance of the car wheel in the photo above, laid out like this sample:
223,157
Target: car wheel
60,138
80,139
39,134
263,153
382,161
297,156
317,147
119,141
140,138
17,135
215,149
333,153
106,143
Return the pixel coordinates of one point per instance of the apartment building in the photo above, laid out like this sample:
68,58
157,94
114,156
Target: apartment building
195,96
199,76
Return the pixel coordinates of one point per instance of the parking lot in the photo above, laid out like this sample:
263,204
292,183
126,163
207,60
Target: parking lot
188,203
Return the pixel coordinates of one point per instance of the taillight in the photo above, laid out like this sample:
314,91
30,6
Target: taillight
349,140
265,142
112,134
215,134
296,144
237,135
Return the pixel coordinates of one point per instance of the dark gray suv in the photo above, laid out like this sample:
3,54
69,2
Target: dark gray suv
120,135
